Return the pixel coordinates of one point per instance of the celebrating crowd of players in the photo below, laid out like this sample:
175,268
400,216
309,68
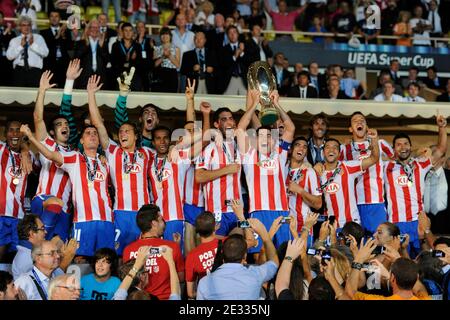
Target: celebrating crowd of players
152,186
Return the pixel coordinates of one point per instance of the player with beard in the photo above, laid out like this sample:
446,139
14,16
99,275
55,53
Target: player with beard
265,167
404,180
129,168
13,184
303,183
369,187
318,132
338,179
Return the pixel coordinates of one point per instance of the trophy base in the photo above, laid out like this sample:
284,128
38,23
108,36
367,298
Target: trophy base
269,117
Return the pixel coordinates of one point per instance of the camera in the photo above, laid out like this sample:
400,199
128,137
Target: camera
378,250
155,250
371,268
227,202
244,224
286,220
326,255
342,238
312,252
322,218
331,219
437,254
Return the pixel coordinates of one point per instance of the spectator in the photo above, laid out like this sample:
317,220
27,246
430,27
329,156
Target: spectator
92,50
432,80
117,9
434,19
316,78
46,261
190,22
282,75
27,52
101,284
403,29
437,196
167,60
147,48
389,19
349,85
368,31
205,16
413,73
103,22
234,80
217,37
388,93
257,16
394,67
243,6
115,38
344,22
64,287
57,39
421,28
137,10
334,90
430,274
199,65
303,90
317,26
126,54
6,34
316,8
29,8
321,290
257,48
152,226
318,131
445,97
283,20
31,232
385,76
8,291
413,93
200,260
233,280
182,38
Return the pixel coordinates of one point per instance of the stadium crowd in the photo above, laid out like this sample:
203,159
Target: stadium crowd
208,44
223,208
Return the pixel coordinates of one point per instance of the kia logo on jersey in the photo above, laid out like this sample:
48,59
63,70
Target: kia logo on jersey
167,173
99,176
365,156
134,168
332,188
11,173
402,181
269,164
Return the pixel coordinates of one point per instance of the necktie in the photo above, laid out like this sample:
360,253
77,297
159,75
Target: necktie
432,21
201,58
318,155
25,56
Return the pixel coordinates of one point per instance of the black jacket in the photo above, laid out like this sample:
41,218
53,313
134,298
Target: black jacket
228,65
294,92
341,95
252,51
84,53
190,60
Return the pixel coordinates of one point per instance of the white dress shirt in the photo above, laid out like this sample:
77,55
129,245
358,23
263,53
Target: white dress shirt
416,99
436,191
27,285
394,98
36,52
262,54
303,92
185,42
437,21
94,47
420,38
22,262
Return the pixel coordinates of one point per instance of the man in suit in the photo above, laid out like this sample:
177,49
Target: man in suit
317,79
92,50
233,64
394,67
103,21
216,37
57,39
282,75
432,80
303,90
445,97
334,90
200,64
257,48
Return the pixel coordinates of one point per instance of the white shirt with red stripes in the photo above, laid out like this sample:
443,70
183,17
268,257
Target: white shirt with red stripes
12,195
405,196
53,180
266,179
132,188
90,198
193,191
340,197
370,186
167,183
307,179
226,187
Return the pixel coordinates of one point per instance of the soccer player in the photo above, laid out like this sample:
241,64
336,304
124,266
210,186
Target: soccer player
265,167
129,169
303,183
370,186
93,220
13,184
404,181
338,179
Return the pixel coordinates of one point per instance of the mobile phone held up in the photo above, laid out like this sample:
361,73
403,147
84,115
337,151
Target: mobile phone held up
378,250
244,224
286,220
326,255
437,254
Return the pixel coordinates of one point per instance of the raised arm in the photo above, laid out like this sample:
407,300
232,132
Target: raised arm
175,290
294,248
251,104
120,111
54,156
442,138
260,229
96,118
38,114
141,258
289,127
374,150
190,93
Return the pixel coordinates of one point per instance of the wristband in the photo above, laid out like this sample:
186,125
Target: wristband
68,87
357,265
131,275
135,270
288,258
305,229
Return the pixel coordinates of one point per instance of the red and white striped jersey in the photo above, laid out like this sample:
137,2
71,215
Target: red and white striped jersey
12,195
224,188
307,179
193,191
53,180
90,198
266,179
132,188
340,197
370,186
405,196
167,182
